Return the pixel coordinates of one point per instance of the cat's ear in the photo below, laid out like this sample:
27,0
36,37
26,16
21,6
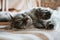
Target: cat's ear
11,17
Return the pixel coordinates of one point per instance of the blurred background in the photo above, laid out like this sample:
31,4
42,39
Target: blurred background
17,5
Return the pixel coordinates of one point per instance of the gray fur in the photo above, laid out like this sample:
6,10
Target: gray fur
35,17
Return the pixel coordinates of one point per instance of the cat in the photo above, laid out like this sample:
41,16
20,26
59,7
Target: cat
37,17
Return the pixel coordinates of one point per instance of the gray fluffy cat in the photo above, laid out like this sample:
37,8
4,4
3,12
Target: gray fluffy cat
35,17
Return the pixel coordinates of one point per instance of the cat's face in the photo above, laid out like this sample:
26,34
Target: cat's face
19,21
